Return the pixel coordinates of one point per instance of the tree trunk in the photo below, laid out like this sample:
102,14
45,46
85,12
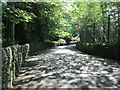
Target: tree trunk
108,29
38,27
20,33
11,28
118,25
94,38
10,32
103,24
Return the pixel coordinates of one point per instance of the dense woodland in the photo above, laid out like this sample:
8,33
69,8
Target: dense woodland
93,22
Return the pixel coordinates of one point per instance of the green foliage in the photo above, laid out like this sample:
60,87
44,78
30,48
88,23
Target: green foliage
61,41
17,15
40,21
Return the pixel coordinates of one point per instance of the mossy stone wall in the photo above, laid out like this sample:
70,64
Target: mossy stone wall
13,58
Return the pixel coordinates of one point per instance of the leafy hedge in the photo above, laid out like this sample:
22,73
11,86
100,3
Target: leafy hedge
102,50
13,58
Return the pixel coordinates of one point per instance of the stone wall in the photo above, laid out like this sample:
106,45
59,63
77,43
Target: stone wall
13,58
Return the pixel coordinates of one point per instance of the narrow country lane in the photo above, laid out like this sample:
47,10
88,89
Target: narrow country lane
65,67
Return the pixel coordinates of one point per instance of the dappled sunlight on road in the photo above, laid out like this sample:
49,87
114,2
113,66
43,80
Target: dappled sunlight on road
65,51
65,67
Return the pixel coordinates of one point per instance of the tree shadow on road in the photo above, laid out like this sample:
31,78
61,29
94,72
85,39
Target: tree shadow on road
51,69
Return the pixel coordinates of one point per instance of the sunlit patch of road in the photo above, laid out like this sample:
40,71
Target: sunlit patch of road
65,67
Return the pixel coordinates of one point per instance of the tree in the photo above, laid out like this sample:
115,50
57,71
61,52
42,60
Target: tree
10,28
13,15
